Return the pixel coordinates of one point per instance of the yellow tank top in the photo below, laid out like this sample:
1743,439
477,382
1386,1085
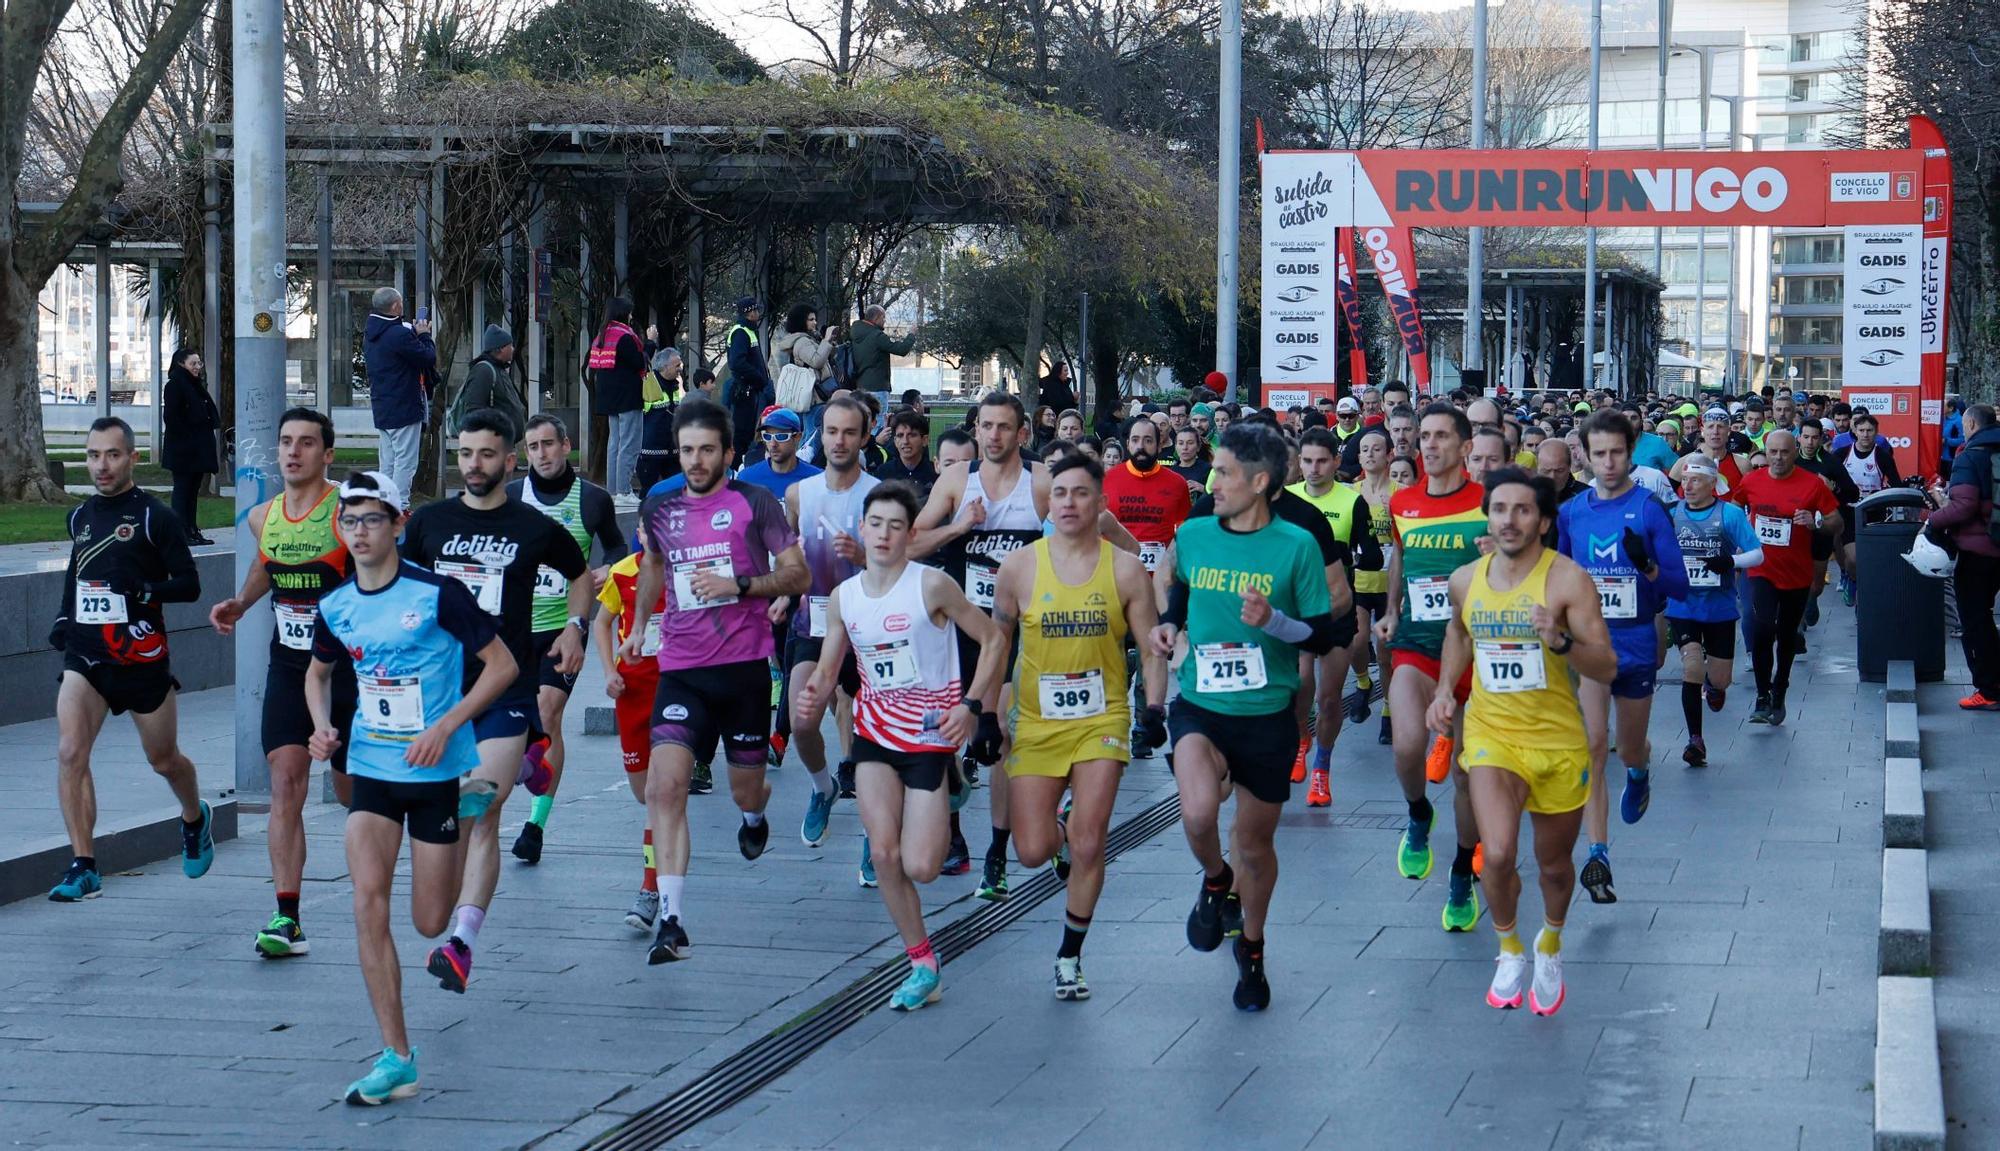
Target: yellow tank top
1072,663
1381,525
1522,693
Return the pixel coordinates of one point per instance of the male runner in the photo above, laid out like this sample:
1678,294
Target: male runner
1623,536
299,559
728,552
412,638
1077,599
128,555
496,546
903,621
1437,528
585,511
1523,617
631,685
1250,591
1716,542
1814,457
1144,495
781,434
1714,445
1787,506
1871,464
1322,678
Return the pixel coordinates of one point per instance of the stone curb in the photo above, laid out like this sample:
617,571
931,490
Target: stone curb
1902,803
1909,1088
1909,1083
133,842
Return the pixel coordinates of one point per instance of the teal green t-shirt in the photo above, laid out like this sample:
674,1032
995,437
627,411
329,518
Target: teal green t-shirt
1227,657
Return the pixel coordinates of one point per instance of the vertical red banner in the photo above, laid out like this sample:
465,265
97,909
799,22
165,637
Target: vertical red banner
1935,309
1393,252
1350,307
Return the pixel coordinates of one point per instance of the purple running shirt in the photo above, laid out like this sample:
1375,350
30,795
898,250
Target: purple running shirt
735,530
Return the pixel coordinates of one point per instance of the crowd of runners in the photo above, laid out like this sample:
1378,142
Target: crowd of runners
1503,580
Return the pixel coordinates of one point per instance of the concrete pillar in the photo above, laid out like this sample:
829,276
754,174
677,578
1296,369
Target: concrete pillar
156,321
537,303
100,312
621,230
692,350
323,292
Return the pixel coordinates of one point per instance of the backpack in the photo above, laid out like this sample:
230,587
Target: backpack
841,364
454,416
604,350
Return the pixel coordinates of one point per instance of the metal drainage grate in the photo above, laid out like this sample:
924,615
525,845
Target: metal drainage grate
749,1070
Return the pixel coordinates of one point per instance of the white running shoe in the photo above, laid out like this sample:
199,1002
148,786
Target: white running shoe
1546,996
1069,978
1510,971
645,912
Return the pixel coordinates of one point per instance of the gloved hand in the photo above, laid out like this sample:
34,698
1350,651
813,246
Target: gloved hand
1635,550
59,634
985,746
1720,565
1152,727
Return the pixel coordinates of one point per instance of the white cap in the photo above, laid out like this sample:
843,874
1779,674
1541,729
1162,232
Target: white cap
372,486
1347,404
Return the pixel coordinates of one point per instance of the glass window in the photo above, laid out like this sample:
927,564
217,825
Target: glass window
1811,330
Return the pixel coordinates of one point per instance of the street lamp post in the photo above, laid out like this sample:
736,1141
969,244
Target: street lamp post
1590,234
1228,191
1474,352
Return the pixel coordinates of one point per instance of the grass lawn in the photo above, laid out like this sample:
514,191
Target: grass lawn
152,475
38,523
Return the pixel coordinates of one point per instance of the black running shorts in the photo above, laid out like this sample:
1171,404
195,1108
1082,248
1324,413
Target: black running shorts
697,708
1256,750
139,688
545,663
287,722
919,770
1717,640
429,810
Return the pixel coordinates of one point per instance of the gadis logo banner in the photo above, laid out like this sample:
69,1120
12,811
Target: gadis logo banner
1304,193
1882,316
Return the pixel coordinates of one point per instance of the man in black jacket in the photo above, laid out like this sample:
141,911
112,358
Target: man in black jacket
750,389
489,383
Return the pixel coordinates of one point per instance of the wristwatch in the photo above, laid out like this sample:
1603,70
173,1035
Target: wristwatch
577,622
974,706
1569,641
742,585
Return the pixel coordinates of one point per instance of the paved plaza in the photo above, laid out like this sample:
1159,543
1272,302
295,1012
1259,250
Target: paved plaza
1727,1000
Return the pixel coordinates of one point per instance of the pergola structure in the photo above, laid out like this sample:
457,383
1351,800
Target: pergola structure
1528,332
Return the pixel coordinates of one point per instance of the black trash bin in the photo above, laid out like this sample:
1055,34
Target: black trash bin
1899,612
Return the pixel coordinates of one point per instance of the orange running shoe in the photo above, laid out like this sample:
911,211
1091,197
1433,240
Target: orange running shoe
1978,701
1437,765
1320,794
1478,859
1299,764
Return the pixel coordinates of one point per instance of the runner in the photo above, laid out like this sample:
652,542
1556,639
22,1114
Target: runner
1871,464
1714,445
1071,695
1322,679
1437,529
729,552
1716,541
1371,600
1148,498
1623,536
631,684
825,510
128,556
496,546
414,638
299,559
585,511
912,713
1815,458
1787,506
1250,591
1524,616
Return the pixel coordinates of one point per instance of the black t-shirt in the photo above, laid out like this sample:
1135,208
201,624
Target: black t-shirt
496,554
129,555
1196,473
922,477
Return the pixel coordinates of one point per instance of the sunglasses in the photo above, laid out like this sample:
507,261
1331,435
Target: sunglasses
779,437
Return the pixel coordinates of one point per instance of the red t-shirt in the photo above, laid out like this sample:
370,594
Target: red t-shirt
1771,503
1152,505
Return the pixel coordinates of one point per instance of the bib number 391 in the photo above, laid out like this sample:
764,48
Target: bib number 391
1430,599
1221,668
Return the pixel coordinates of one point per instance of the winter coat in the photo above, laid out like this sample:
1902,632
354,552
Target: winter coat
490,384
1968,505
873,349
189,418
619,386
401,368
802,348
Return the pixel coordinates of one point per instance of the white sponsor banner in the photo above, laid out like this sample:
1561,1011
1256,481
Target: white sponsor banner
1304,195
1881,337
1284,399
1859,187
1931,315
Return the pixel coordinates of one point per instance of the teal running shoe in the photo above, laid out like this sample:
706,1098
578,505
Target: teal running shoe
867,864
197,846
393,1077
819,810
474,797
78,883
1413,854
1461,904
919,990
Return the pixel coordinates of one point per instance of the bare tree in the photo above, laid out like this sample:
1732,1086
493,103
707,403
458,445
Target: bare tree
1382,77
846,36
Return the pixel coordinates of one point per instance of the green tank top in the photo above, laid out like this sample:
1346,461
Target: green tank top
551,589
304,559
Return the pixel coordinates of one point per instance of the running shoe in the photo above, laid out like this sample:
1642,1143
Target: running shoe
536,775
1437,765
1510,971
1320,794
1761,713
776,756
1355,705
1413,855
993,885
1204,923
1232,916
1461,904
645,912
1777,712
528,844
475,795
1069,978
1715,696
702,781
79,882
918,991
844,777
1385,735
392,1077
961,783
1847,590
1596,879
1253,991
1547,994
1978,701
1299,762
1638,795
1062,853
970,767
451,964
957,858
819,811
1812,613
751,840
1695,754
282,938
197,845
867,864
669,943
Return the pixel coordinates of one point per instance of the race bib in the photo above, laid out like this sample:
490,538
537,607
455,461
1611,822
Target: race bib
1430,598
97,603
483,582
650,645
1077,696
981,582
549,583
685,597
1774,531
889,665
1698,574
816,616
1618,596
295,625
1151,555
390,705
1227,667
1506,667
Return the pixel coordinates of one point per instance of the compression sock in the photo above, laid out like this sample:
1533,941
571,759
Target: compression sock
1074,928
1510,940
471,917
288,905
1420,810
1461,863
998,849
922,955
651,879
538,812
1691,708
671,902
1550,940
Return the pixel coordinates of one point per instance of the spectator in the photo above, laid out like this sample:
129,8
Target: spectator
702,385
188,420
1191,458
1069,426
1057,390
914,400
402,362
803,344
618,357
657,457
749,389
910,432
873,349
489,383
1965,517
1045,427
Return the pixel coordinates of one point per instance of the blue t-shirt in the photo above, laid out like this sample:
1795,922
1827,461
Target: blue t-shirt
674,483
1654,451
761,474
1717,530
410,642
1592,530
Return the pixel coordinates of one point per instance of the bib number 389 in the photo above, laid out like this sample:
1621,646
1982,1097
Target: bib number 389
1073,696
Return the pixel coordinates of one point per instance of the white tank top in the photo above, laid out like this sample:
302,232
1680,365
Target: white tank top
1010,524
1865,471
1014,513
909,665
